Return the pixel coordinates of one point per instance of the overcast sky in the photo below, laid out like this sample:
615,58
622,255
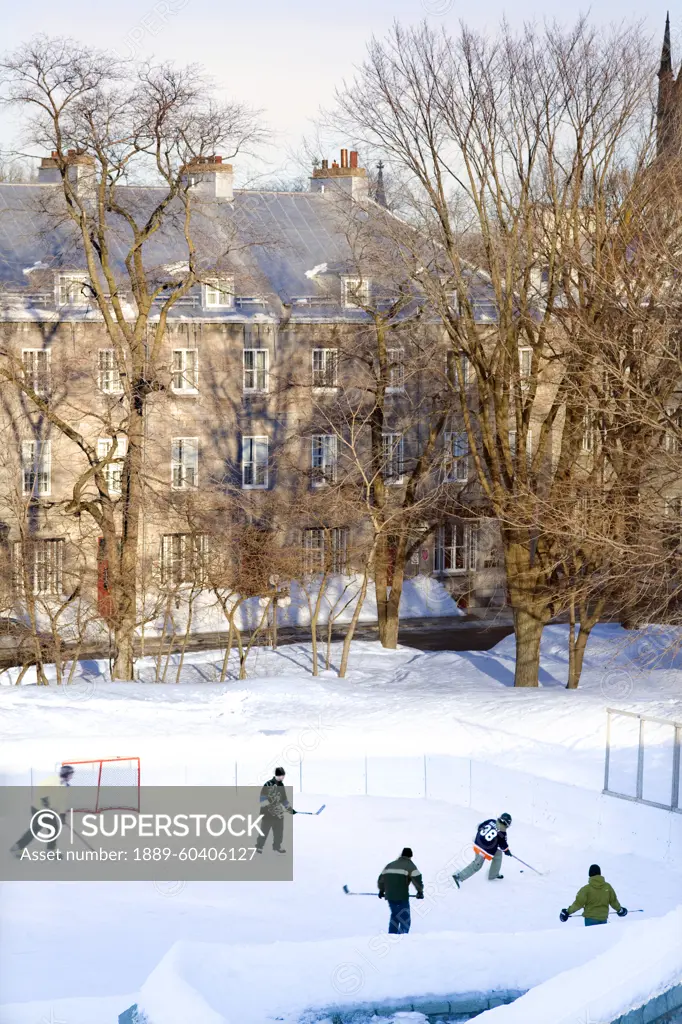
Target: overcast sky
285,58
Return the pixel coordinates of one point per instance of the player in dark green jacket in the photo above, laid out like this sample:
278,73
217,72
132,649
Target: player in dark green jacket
394,885
594,899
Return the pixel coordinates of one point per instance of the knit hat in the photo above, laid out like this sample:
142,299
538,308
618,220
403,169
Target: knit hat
407,852
280,771
594,870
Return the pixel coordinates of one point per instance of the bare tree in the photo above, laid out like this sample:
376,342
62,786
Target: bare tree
109,125
530,161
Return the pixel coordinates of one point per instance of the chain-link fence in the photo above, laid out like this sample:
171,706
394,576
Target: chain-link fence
642,760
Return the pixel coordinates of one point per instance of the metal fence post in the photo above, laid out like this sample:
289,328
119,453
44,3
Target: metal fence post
607,755
640,760
675,792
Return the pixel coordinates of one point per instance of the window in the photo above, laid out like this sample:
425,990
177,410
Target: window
256,370
525,365
108,377
456,547
113,470
255,462
73,290
589,431
39,564
326,549
184,463
529,445
37,369
184,557
673,432
458,363
325,368
392,452
185,370
355,292
456,456
219,292
323,459
484,311
36,468
396,369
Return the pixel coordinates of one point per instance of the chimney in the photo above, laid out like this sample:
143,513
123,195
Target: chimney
345,177
209,177
80,168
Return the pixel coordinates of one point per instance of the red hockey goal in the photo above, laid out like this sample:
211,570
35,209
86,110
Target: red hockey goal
107,783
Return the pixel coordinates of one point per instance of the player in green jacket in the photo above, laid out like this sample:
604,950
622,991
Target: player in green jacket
594,899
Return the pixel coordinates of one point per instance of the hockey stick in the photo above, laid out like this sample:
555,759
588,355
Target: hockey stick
347,891
314,813
612,913
528,865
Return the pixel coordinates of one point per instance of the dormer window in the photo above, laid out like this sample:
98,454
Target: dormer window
219,293
73,290
355,292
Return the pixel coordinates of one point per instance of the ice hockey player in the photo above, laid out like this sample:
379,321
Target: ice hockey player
489,845
48,795
394,886
595,898
273,805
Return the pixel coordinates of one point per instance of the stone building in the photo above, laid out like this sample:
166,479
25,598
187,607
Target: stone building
252,371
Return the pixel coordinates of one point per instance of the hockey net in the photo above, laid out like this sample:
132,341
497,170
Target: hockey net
107,784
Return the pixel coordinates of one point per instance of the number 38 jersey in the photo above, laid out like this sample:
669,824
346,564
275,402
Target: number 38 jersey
490,838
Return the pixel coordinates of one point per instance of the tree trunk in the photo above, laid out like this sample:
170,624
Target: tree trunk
392,623
528,628
126,562
381,587
572,677
348,639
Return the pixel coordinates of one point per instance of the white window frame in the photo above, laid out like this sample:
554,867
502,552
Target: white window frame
318,542
456,548
108,377
456,457
451,359
218,293
671,437
256,379
39,378
361,286
589,431
46,569
255,470
113,470
529,445
184,558
184,463
396,370
185,376
525,365
392,458
324,459
70,289
328,359
36,468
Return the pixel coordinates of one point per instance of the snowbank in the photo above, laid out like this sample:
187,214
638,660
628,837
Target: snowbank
205,983
644,964
422,597
95,1010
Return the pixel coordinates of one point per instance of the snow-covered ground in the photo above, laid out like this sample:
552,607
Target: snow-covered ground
66,941
391,702
104,938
